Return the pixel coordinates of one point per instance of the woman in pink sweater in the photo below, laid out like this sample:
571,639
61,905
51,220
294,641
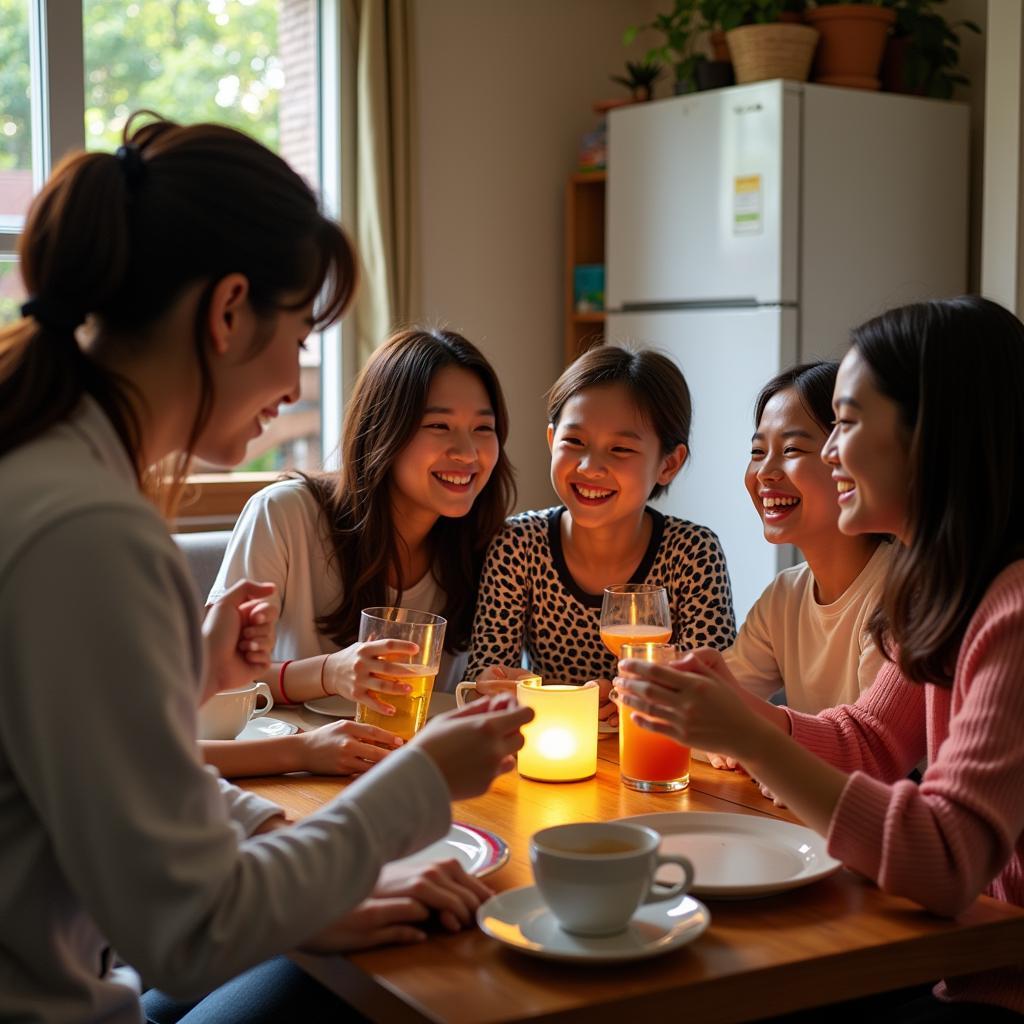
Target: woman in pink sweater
928,446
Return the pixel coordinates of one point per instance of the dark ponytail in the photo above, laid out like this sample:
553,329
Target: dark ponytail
118,238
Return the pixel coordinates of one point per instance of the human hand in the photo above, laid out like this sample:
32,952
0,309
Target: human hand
728,764
343,748
375,922
259,631
607,709
471,745
369,666
227,665
442,886
497,679
695,701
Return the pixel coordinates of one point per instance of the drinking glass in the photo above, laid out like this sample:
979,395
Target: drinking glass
634,613
416,670
648,761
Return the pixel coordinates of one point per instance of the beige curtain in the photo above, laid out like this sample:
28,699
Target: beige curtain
377,164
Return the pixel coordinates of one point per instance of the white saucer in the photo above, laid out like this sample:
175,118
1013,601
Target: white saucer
736,856
479,851
266,728
604,729
336,707
519,919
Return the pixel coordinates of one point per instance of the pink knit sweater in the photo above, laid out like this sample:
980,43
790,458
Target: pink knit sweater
959,833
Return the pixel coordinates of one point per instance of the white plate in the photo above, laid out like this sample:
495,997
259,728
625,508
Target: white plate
266,728
479,851
741,855
519,919
341,707
604,729
336,707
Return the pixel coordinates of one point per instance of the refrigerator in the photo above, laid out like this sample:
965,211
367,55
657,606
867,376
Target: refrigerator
752,227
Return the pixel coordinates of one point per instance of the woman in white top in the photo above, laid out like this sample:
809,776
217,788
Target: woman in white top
423,487
807,634
197,255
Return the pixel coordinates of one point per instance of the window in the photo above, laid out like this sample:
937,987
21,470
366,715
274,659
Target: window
71,71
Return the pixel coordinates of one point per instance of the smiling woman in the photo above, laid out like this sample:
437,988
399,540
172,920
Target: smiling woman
424,486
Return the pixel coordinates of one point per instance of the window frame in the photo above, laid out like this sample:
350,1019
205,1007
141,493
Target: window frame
57,76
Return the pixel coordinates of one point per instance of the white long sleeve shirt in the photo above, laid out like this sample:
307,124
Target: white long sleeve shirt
112,833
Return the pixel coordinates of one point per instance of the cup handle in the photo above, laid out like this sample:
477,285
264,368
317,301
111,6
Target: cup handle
658,892
461,689
262,690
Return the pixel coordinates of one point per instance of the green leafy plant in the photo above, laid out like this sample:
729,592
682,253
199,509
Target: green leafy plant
933,48
680,27
639,78
730,14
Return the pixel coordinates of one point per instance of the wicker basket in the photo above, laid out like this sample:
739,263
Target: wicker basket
778,50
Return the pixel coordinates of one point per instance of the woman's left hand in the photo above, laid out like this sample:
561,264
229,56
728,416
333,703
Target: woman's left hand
443,886
695,700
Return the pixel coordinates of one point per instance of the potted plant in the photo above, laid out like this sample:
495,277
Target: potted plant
923,52
852,41
639,78
761,42
680,26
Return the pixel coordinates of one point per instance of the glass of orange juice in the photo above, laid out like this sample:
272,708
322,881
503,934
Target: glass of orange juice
648,761
416,670
634,613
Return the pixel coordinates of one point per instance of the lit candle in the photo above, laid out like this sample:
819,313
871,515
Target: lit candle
561,741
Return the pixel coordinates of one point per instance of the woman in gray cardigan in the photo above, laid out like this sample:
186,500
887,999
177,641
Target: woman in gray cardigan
201,261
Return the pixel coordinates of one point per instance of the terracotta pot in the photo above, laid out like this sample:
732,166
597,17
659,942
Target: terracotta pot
852,40
719,46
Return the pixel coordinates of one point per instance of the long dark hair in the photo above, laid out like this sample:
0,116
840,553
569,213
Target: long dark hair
955,369
383,414
655,383
120,237
813,384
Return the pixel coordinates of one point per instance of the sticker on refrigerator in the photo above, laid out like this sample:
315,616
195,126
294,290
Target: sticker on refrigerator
746,205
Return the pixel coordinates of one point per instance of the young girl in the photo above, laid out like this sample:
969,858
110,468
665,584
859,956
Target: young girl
197,255
927,446
425,484
808,632
619,425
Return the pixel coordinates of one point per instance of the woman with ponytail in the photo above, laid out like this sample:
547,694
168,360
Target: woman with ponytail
172,285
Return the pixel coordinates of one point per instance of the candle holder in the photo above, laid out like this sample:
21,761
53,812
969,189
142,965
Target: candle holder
561,741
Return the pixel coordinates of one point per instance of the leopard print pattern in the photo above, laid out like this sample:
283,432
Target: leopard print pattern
529,603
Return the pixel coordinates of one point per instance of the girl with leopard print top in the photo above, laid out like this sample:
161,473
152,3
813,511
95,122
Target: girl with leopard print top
618,430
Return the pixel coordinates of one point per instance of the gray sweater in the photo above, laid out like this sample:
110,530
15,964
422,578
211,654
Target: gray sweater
113,836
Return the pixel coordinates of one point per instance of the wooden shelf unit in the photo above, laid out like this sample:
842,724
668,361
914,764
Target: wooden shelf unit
584,243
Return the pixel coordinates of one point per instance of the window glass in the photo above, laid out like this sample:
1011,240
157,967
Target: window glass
12,294
247,63
15,120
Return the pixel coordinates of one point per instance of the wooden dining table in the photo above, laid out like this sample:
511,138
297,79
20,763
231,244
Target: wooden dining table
836,939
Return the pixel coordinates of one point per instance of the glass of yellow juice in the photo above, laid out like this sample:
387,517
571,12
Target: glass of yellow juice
648,761
634,613
418,671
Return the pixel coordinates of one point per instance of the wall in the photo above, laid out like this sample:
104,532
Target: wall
972,64
503,94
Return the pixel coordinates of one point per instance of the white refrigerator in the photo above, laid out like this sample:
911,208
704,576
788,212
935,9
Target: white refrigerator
751,228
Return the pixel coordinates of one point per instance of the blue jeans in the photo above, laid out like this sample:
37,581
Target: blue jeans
274,991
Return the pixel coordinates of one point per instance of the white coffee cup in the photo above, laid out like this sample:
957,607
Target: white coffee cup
226,714
594,875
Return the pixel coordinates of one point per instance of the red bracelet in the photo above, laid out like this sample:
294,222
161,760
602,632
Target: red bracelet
280,682
323,665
